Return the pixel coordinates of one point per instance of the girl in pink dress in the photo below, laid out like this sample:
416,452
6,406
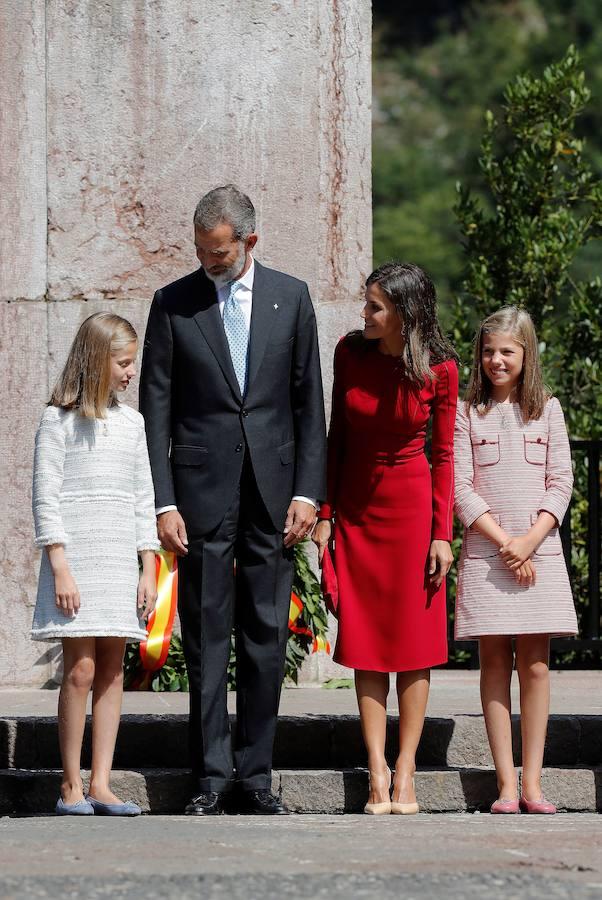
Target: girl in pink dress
513,483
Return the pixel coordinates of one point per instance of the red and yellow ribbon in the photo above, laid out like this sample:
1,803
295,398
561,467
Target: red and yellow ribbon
320,643
154,650
296,608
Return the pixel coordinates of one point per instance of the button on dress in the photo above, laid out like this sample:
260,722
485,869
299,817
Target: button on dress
512,470
93,492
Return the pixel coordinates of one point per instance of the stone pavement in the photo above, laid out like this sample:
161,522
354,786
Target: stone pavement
351,857
452,856
453,692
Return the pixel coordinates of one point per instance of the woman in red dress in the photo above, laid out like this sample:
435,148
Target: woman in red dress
392,512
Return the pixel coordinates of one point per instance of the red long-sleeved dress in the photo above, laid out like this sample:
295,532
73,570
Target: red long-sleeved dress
388,507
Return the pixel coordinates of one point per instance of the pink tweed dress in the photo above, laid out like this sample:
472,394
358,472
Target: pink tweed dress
512,470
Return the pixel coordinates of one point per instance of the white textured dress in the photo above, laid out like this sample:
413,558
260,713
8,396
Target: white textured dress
514,471
93,492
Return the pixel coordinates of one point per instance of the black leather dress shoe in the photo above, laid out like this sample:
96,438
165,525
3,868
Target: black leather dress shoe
262,803
207,803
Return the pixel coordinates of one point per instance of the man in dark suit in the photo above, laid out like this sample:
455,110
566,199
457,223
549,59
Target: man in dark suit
231,393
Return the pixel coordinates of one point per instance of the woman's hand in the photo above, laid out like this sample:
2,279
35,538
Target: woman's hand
147,585
515,551
66,593
321,537
147,595
525,575
440,560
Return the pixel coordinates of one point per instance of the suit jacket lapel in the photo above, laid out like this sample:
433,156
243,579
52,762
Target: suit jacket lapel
211,325
262,318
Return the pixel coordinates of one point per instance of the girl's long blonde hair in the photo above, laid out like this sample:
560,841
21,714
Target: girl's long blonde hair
531,393
85,382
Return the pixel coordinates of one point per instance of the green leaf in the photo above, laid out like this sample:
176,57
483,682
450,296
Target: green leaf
334,684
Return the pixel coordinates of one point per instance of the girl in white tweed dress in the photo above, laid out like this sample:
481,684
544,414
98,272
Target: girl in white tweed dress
513,483
94,512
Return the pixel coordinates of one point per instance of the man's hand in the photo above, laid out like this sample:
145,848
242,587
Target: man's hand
440,559
321,537
516,551
172,532
300,519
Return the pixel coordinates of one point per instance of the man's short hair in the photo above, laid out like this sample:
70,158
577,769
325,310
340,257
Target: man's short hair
226,204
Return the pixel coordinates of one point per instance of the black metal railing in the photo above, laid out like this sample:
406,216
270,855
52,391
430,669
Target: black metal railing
589,635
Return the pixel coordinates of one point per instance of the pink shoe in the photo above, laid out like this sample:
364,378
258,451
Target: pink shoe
541,807
503,807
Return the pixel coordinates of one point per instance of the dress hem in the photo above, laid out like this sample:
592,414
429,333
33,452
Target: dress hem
58,634
553,633
441,661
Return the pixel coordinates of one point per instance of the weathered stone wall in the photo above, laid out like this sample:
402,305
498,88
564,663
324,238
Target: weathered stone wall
116,115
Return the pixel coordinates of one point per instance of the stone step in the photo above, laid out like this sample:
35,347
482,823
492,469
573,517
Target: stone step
166,791
318,742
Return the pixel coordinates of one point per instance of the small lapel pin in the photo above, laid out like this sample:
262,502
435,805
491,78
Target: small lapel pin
275,306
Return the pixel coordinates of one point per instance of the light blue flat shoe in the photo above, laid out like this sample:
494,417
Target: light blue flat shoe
81,808
129,808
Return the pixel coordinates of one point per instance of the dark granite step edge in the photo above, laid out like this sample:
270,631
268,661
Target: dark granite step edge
332,791
320,742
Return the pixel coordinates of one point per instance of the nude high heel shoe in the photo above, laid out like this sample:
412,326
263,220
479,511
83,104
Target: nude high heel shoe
379,809
404,809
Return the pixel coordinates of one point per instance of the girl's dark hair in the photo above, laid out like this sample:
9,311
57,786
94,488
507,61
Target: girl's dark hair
413,294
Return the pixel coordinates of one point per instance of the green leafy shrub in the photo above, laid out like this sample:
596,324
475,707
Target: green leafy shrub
540,207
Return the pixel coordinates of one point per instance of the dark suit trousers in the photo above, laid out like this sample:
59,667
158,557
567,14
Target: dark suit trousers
256,601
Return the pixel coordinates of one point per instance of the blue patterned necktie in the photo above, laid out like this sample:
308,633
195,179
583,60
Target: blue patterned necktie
237,335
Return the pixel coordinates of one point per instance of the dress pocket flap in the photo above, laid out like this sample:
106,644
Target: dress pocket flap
477,546
486,449
188,456
536,446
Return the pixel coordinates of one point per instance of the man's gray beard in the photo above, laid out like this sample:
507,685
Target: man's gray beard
232,272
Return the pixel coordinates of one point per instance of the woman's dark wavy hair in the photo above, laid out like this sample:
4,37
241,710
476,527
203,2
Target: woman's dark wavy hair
413,294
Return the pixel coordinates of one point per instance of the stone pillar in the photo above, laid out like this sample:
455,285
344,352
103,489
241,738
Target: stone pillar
116,118
23,324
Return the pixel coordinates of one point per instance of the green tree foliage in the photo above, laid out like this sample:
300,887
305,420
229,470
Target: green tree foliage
436,67
544,206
